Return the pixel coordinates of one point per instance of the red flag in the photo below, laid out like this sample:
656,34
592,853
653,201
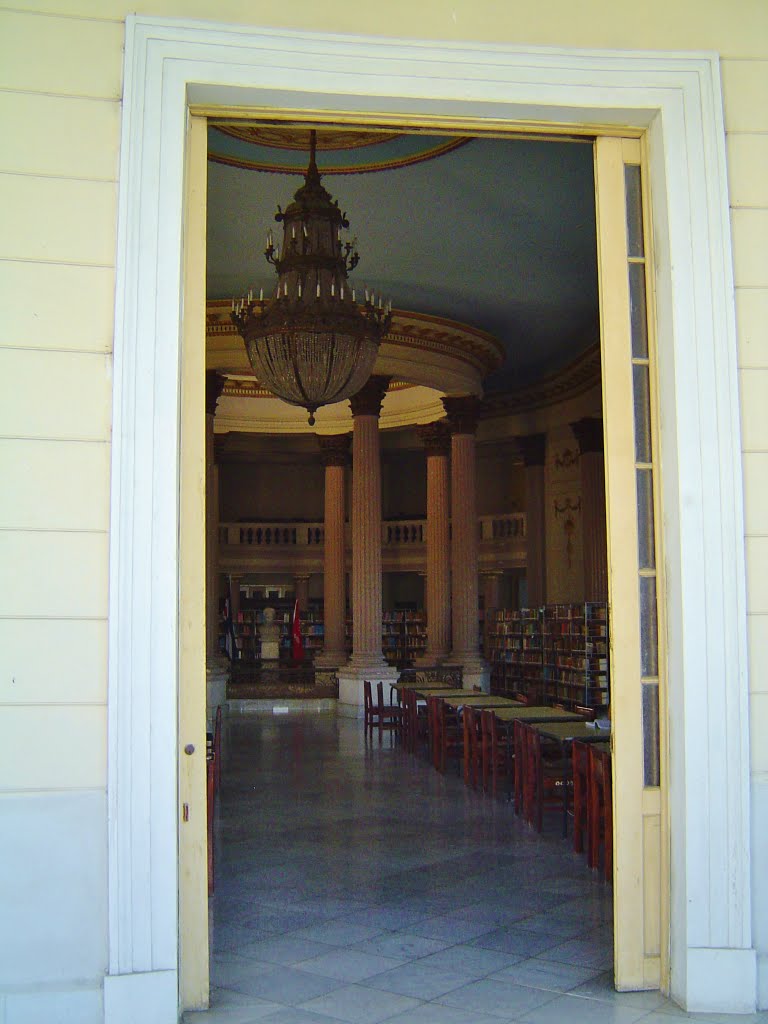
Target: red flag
297,647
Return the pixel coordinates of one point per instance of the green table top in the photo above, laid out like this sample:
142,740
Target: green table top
566,731
478,700
536,713
431,691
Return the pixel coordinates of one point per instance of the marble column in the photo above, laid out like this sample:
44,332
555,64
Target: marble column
589,434
334,452
214,384
534,448
491,599
367,661
463,412
437,591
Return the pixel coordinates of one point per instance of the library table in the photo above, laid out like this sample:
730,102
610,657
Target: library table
564,733
531,713
479,701
421,693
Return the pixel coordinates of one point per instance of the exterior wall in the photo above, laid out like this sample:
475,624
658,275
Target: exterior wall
60,84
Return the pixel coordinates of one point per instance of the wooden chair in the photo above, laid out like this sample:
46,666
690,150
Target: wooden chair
542,778
497,759
473,747
210,765
446,737
368,710
581,815
601,812
217,748
415,730
389,717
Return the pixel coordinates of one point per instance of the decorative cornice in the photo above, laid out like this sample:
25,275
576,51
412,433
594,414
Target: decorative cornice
580,376
334,449
589,434
367,401
416,331
463,412
436,437
534,449
275,148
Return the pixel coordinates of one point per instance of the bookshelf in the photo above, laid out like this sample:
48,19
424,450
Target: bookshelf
516,650
558,653
403,636
575,641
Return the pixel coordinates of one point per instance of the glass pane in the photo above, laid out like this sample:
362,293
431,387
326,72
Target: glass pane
642,414
638,313
645,545
634,210
649,639
651,734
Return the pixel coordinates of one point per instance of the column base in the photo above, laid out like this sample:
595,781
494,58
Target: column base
475,671
719,981
351,679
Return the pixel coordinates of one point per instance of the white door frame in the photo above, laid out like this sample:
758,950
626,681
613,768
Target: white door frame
170,65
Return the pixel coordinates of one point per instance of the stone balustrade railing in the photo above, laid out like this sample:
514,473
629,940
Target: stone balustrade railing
394,533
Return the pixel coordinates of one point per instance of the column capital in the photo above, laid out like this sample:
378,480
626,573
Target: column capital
463,412
214,385
436,437
334,449
534,449
367,401
589,433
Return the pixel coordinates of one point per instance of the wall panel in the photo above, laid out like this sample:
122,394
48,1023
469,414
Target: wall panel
54,485
58,220
56,395
53,661
69,749
65,137
55,306
54,856
62,56
57,575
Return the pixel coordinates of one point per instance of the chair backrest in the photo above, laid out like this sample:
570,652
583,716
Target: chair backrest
380,695
367,695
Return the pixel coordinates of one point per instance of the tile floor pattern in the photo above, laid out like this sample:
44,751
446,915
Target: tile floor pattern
354,883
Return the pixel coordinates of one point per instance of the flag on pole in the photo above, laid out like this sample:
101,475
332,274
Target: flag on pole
297,647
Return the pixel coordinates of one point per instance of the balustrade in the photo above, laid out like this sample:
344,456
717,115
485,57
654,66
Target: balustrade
395,535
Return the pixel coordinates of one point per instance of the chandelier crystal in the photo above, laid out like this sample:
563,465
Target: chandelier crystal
312,343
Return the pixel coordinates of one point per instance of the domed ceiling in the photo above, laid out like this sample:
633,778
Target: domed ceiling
498,234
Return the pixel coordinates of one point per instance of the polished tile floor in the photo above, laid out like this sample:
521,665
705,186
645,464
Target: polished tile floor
354,883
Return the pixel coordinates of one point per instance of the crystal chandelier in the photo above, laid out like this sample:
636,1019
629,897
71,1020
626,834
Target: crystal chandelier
312,343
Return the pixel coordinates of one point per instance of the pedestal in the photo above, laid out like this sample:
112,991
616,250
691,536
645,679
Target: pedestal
351,701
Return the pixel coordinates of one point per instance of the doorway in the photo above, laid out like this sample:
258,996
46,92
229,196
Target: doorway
639,843
146,944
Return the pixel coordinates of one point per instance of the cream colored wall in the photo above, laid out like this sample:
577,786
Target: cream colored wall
60,82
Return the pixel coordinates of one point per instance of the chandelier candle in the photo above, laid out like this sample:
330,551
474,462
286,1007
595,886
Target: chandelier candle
311,344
